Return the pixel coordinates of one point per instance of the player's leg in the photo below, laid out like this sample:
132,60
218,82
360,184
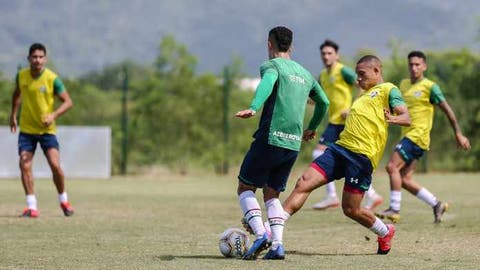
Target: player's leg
422,193
277,183
253,174
26,149
329,136
50,147
357,181
394,166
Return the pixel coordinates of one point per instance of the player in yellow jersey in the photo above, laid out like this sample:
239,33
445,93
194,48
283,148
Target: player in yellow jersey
36,88
357,153
338,82
421,96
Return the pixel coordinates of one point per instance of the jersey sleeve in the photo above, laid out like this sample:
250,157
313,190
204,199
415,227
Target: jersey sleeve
395,98
58,86
265,87
436,95
348,75
321,105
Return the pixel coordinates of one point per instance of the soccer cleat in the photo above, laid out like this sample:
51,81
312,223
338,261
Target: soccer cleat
438,210
257,247
30,213
385,243
390,214
371,202
275,254
328,202
67,209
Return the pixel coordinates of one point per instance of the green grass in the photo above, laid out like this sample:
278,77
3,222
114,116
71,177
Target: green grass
173,222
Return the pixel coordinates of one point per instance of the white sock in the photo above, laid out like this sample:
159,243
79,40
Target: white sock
316,153
32,202
252,212
331,190
379,228
276,218
370,192
63,197
425,195
395,200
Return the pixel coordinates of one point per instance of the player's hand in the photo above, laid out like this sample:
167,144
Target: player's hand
345,113
389,117
462,142
245,113
308,135
48,119
13,124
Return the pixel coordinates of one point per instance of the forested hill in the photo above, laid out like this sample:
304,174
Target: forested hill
86,35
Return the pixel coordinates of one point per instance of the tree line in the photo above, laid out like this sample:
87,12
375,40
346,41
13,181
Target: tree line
175,116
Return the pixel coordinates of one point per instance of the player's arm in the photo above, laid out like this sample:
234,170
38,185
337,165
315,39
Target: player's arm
67,102
436,97
321,106
400,114
16,100
263,91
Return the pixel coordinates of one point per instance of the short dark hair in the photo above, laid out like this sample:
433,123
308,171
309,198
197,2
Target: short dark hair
370,58
37,46
419,54
282,36
329,43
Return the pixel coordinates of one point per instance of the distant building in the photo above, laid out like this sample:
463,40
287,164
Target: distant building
248,84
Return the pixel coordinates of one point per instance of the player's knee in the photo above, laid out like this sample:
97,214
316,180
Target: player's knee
391,167
350,211
303,183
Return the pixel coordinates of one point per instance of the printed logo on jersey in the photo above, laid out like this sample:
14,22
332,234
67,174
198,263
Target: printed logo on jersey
374,94
296,79
417,93
287,136
43,89
332,79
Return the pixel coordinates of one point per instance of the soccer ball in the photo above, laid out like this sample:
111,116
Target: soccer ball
233,243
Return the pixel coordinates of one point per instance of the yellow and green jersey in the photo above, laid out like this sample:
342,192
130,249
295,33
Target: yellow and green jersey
38,96
366,129
338,85
420,98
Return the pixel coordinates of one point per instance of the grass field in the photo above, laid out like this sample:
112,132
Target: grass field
173,222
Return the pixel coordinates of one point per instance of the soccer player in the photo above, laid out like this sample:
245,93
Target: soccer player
36,88
338,82
357,153
283,91
421,96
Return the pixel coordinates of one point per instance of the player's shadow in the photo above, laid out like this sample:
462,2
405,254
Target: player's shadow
291,252
302,253
173,257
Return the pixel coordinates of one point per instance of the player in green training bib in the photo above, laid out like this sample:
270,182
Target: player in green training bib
36,89
283,91
421,96
338,82
357,153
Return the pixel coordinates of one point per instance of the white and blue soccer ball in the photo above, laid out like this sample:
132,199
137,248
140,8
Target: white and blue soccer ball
233,243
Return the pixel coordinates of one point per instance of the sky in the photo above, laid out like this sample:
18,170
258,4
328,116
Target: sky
87,35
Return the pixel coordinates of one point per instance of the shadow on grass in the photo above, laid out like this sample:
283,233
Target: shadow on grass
292,252
301,253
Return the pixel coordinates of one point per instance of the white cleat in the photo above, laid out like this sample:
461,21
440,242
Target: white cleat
371,202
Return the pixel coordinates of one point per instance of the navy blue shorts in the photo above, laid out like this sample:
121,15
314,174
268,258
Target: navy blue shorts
338,162
331,134
409,150
28,142
265,164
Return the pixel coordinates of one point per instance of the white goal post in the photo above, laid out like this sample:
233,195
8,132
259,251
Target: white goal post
85,152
